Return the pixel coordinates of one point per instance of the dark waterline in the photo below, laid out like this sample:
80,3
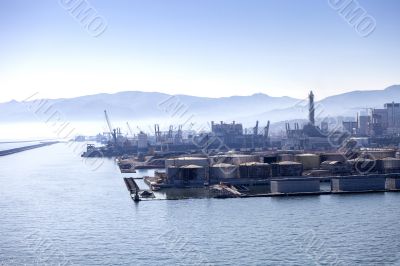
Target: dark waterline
56,210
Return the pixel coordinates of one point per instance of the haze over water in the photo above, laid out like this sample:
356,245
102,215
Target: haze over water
56,204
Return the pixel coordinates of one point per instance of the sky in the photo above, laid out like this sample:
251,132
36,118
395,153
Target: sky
211,48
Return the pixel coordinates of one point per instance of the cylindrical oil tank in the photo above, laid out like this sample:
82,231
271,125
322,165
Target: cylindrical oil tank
335,167
193,173
223,171
338,157
376,154
270,158
363,166
286,168
285,157
255,170
181,161
235,159
309,161
172,173
390,165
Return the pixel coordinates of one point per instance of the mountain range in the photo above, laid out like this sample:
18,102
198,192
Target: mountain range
155,107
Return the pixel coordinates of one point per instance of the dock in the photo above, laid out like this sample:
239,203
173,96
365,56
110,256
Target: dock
135,192
25,148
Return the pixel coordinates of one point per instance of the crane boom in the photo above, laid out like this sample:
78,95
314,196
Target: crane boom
108,121
129,128
113,132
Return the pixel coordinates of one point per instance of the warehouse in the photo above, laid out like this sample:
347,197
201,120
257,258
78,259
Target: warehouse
360,183
295,185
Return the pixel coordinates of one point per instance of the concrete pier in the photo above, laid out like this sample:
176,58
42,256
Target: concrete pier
30,147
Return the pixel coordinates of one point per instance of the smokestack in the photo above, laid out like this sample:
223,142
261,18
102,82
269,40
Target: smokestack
311,108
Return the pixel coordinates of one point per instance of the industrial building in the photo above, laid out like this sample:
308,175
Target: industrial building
235,137
310,137
376,122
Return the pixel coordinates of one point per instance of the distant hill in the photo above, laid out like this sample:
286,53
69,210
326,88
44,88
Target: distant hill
345,104
159,107
135,105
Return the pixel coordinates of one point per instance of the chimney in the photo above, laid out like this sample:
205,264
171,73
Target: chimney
311,110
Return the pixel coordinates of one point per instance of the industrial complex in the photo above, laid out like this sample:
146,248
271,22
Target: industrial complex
231,161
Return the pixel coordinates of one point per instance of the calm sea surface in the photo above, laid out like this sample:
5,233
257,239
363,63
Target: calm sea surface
55,209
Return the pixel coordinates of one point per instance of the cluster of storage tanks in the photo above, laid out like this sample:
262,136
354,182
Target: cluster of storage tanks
197,170
227,167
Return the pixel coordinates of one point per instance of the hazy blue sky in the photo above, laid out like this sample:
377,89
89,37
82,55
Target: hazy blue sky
205,47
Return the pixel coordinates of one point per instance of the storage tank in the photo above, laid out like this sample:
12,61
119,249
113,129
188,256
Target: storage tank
181,161
255,170
338,157
186,174
286,168
336,167
235,159
172,174
363,166
223,171
270,158
390,165
193,172
309,161
376,154
285,157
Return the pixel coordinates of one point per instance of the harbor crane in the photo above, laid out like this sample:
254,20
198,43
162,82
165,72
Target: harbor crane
256,129
130,129
157,132
266,130
113,132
